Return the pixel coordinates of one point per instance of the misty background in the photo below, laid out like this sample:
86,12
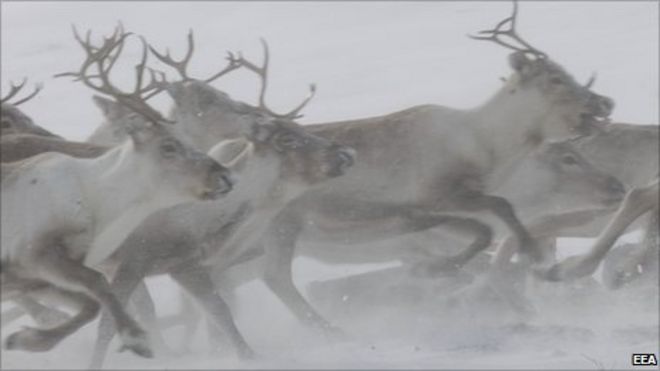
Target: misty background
367,59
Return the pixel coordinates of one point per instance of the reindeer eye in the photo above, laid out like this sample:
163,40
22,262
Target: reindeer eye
288,141
568,160
169,148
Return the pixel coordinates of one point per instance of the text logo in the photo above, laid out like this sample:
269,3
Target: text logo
644,359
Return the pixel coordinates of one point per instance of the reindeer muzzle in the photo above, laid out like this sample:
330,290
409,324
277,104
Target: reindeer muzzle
220,182
601,106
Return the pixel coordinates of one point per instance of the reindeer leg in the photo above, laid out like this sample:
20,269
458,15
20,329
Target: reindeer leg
41,340
43,315
649,260
420,220
195,279
55,265
637,202
188,316
11,315
627,262
146,310
128,277
500,207
545,230
279,278
226,281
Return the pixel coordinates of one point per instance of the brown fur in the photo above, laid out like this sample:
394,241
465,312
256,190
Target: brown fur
15,147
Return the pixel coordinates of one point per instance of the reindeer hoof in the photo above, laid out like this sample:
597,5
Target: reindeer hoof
570,269
136,341
30,339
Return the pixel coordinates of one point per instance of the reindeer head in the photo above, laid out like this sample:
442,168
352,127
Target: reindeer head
177,166
560,170
153,146
209,115
285,150
14,121
565,108
301,155
275,138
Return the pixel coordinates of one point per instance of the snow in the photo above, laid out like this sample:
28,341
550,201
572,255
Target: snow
367,58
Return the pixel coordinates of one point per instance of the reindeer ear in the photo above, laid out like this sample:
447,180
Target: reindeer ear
521,63
111,110
233,153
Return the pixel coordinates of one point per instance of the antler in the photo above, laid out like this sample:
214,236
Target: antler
493,35
591,81
181,66
15,89
103,58
262,72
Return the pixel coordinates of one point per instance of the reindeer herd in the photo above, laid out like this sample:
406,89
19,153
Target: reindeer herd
220,184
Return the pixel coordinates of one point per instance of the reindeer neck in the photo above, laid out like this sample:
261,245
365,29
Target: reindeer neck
257,179
509,127
116,181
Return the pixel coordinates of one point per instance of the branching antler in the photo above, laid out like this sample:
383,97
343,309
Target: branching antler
234,62
262,72
181,66
103,58
495,33
15,89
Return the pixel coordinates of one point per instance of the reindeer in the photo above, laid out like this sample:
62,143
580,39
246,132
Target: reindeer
457,158
15,147
43,253
638,201
555,176
13,120
109,133
26,139
628,152
22,138
276,162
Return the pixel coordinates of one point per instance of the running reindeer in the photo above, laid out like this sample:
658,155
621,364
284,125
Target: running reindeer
275,160
629,152
24,141
553,170
639,201
277,163
457,158
13,120
22,138
16,147
87,203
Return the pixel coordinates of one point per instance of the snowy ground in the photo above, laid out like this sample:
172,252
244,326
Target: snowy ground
368,58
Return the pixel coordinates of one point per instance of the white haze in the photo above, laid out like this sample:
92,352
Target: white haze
367,58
